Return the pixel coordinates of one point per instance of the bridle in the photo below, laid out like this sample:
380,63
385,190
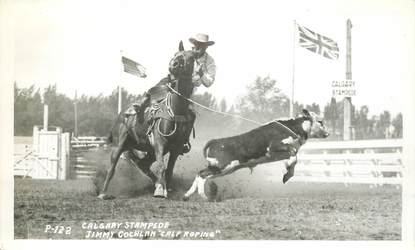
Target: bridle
179,63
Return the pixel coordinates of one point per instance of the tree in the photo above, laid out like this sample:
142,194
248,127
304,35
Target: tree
27,110
223,105
383,124
314,107
332,116
205,99
298,107
264,101
397,123
60,109
363,124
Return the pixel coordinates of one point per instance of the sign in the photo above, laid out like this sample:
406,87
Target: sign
346,88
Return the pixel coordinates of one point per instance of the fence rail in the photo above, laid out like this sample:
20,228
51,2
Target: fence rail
85,142
369,162
356,144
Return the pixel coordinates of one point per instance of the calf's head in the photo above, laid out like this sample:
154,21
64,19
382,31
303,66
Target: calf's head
313,125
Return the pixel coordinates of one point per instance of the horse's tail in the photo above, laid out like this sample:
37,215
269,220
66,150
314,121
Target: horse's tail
206,147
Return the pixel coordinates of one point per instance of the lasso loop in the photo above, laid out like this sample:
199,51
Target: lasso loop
166,135
168,105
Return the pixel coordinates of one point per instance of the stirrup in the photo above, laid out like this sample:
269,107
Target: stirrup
186,147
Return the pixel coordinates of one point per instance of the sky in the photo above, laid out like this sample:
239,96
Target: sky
77,45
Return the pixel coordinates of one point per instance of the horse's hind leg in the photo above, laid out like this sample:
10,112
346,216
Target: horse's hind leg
144,165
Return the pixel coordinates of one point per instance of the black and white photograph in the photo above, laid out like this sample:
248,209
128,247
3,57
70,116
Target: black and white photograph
229,121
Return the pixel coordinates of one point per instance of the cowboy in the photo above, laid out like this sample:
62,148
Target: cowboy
204,69
204,72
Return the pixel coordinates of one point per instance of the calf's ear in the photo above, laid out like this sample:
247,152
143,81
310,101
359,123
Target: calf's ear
306,113
181,47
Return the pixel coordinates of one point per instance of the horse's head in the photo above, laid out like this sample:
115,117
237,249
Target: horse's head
181,66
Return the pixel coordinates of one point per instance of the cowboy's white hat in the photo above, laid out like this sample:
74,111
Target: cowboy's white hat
201,38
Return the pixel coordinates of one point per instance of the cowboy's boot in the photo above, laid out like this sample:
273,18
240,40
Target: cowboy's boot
187,146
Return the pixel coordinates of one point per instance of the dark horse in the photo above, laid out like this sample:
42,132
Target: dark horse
169,131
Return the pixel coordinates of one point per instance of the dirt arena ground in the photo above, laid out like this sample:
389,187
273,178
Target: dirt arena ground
250,206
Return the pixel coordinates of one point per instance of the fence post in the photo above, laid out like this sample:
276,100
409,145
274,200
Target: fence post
36,139
65,156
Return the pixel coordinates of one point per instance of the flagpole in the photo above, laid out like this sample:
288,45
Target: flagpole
76,115
293,71
347,102
119,85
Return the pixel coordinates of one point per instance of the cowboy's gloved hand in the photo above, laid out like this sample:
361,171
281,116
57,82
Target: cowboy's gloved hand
200,72
196,80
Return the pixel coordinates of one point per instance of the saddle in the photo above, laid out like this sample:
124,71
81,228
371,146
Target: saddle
158,93
160,109
157,108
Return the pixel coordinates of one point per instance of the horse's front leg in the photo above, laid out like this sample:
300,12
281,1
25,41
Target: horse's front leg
169,171
158,168
115,156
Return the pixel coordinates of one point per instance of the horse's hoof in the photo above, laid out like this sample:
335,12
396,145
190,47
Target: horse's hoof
106,197
186,147
204,197
160,192
159,196
285,178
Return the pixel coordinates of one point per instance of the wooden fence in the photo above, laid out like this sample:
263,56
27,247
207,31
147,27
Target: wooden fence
81,167
365,161
86,142
46,158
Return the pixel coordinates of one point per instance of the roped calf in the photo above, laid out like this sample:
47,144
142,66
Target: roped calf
274,141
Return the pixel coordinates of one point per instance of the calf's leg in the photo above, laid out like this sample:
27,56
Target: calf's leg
280,150
200,180
275,156
213,172
290,165
275,153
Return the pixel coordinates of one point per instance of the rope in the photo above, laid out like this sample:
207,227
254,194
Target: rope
227,114
166,135
212,110
168,105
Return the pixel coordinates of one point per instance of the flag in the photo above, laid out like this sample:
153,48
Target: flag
317,43
133,67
